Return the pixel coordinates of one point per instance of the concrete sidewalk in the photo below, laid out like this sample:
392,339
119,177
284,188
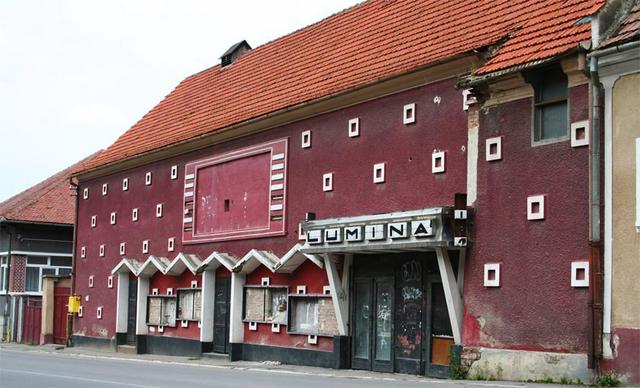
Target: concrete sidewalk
267,366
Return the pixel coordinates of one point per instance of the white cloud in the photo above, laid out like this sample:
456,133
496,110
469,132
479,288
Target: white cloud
76,74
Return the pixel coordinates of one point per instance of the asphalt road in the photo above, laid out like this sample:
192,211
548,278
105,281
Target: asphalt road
51,370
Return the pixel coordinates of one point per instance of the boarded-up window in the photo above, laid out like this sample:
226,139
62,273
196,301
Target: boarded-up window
161,311
265,304
189,304
313,315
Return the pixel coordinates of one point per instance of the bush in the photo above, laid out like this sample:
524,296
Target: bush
607,379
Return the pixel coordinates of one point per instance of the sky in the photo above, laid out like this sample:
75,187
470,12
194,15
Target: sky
75,75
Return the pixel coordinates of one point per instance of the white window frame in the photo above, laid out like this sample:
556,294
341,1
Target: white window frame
327,182
435,169
4,266
539,215
379,167
409,108
497,141
575,266
305,139
584,125
495,282
354,127
40,267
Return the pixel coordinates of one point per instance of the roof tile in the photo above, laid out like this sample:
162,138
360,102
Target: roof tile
371,41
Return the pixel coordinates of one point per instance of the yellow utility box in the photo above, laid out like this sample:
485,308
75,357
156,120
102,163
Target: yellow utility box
74,303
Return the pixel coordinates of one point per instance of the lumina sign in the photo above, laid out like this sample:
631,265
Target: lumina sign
374,232
411,230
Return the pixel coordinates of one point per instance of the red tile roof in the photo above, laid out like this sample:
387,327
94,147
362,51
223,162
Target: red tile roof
366,43
49,201
629,29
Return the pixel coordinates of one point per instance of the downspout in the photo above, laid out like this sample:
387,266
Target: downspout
595,246
73,186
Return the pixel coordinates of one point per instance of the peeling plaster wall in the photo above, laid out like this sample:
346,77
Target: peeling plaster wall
535,307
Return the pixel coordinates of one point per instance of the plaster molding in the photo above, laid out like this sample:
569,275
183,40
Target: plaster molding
509,88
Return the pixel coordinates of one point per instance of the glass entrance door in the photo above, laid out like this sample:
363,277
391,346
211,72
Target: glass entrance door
373,324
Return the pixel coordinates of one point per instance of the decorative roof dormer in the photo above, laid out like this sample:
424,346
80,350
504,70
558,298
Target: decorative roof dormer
234,52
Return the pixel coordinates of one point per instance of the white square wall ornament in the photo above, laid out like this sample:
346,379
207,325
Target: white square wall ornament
85,193
194,284
354,127
492,275
91,281
134,214
493,149
145,246
83,252
110,282
123,248
409,114
275,328
94,221
535,207
580,134
125,184
159,210
174,172
305,139
147,179
105,188
438,162
184,323
580,274
102,250
327,182
113,218
301,290
253,326
312,339
171,244
378,172
99,312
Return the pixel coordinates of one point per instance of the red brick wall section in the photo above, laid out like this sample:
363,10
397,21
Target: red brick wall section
17,273
535,307
440,124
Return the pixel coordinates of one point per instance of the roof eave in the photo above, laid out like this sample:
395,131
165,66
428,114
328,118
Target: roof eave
130,161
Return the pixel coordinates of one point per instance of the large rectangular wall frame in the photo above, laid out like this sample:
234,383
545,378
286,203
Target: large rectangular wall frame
276,212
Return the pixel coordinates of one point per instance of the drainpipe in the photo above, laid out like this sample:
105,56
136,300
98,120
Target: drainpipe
73,186
595,246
